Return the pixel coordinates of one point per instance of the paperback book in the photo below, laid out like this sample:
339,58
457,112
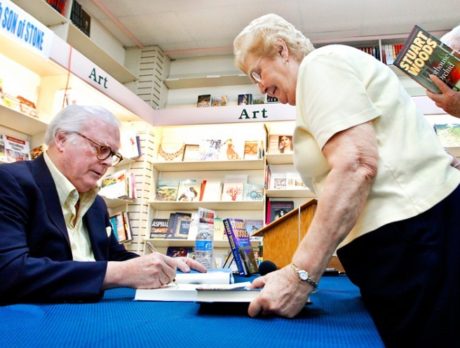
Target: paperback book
423,55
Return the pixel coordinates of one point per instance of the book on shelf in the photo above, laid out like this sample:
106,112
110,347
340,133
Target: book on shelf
219,229
210,149
232,150
424,54
277,209
118,185
232,191
219,101
130,147
448,134
166,190
174,251
203,100
211,190
15,149
121,226
280,143
37,151
253,225
251,150
189,190
253,192
171,152
2,149
159,228
184,288
244,99
191,153
240,245
178,225
271,99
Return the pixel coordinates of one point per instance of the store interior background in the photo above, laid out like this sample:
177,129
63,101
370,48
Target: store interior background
166,53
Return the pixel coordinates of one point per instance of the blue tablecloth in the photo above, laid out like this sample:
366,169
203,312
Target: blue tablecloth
336,318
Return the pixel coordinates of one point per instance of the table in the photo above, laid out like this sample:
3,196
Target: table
337,318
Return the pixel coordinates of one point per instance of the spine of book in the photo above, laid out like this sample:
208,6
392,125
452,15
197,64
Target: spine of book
234,246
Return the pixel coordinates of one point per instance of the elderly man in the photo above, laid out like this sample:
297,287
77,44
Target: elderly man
56,241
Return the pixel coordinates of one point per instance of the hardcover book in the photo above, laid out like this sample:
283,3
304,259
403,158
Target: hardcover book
179,225
240,245
173,251
16,149
184,289
424,54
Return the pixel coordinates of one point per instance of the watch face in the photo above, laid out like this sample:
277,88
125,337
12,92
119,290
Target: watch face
303,275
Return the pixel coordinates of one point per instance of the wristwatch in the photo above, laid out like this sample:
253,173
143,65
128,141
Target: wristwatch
304,276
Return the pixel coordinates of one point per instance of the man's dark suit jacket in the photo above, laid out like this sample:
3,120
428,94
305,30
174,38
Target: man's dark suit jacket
35,257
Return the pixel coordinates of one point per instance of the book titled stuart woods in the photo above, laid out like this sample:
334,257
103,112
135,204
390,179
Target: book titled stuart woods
424,54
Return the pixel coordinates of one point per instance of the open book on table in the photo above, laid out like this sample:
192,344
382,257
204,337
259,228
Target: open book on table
213,286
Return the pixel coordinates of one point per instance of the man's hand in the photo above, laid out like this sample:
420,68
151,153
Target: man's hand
149,271
282,294
448,99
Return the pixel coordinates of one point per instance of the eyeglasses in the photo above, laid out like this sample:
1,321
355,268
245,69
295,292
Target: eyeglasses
256,76
255,73
103,151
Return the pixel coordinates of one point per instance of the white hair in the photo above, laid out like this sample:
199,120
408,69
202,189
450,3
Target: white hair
452,38
74,117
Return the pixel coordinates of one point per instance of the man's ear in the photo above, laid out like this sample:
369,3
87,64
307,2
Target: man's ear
59,139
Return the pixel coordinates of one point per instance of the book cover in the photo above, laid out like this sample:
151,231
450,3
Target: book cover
280,208
171,152
191,153
166,190
240,245
232,150
253,192
118,227
159,228
116,185
244,99
127,225
253,225
16,149
203,100
178,225
210,149
189,191
251,149
424,54
174,251
232,191
212,190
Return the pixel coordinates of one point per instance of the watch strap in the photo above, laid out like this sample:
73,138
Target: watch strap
306,279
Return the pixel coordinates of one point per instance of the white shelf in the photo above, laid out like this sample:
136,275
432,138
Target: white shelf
220,205
209,165
116,202
20,122
290,193
197,81
77,39
280,158
42,11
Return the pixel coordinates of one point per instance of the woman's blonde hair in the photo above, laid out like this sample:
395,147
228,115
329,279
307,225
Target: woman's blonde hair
260,36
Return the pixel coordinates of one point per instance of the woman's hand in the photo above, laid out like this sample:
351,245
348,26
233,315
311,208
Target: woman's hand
282,294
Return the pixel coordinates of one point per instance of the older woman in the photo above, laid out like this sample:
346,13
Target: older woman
387,195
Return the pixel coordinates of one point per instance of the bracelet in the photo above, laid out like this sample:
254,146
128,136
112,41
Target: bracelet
304,276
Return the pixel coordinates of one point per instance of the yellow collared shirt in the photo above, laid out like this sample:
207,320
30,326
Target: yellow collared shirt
69,197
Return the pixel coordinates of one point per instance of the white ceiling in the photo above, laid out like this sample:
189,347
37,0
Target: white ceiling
185,28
